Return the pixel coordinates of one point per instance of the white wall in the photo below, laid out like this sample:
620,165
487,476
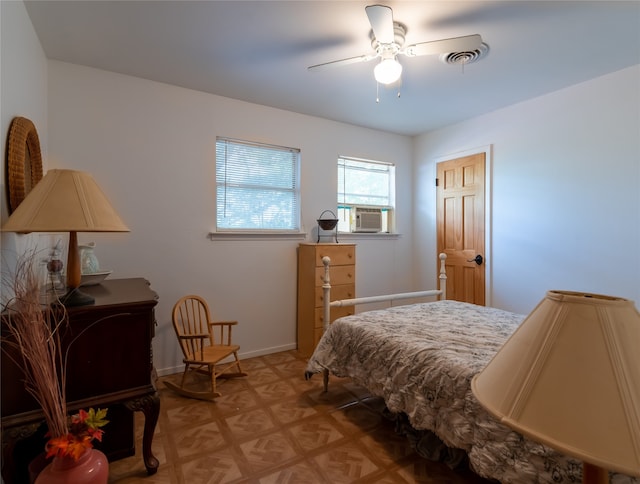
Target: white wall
23,92
23,72
565,178
566,197
151,147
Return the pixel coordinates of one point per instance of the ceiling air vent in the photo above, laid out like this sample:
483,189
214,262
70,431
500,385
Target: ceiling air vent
466,57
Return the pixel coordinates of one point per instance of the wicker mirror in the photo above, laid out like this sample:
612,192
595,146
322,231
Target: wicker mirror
24,160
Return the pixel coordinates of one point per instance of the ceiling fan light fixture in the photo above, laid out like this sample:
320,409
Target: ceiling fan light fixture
388,71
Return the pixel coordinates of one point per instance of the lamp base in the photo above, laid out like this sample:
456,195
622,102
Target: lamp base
75,297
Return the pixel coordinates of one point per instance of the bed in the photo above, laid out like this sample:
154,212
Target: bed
421,358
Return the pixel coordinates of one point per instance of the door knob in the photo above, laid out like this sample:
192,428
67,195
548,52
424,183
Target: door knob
477,259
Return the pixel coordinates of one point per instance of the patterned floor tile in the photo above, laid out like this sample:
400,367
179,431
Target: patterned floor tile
293,409
291,369
357,390
218,467
273,426
316,432
230,403
336,397
231,385
387,446
295,474
268,451
277,358
425,471
193,381
358,418
346,463
388,478
261,376
274,391
251,364
303,386
165,475
198,412
249,424
199,439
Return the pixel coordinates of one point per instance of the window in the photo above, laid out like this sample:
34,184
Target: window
367,187
257,187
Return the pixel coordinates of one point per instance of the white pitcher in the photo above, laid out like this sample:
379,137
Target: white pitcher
88,260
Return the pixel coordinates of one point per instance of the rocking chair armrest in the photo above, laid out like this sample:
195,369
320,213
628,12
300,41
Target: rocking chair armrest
221,331
223,323
194,336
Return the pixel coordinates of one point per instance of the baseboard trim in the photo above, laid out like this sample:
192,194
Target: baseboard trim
243,356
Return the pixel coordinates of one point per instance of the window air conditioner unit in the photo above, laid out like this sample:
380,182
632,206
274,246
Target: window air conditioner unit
367,219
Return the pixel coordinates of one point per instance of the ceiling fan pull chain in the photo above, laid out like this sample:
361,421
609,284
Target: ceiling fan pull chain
377,92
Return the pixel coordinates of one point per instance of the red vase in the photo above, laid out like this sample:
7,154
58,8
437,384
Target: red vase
91,468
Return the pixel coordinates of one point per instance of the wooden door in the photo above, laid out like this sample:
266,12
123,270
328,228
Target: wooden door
461,223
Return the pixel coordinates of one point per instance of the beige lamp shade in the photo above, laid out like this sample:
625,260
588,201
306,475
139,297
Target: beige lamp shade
65,201
569,377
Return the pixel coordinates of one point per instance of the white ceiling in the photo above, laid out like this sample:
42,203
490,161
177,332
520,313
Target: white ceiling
259,51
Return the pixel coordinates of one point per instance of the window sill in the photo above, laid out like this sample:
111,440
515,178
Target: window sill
367,235
257,235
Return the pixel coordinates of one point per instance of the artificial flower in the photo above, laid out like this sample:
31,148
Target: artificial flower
84,428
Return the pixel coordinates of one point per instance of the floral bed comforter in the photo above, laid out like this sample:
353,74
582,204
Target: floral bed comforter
421,358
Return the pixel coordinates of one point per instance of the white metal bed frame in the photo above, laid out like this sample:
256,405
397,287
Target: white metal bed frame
441,293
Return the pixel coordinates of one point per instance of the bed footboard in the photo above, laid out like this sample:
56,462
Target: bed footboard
441,293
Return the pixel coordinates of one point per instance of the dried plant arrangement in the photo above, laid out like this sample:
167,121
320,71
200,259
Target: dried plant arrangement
35,335
33,343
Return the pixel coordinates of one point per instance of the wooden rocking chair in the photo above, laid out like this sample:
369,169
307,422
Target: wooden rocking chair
202,351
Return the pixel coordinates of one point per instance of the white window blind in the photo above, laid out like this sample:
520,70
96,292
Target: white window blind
257,187
364,182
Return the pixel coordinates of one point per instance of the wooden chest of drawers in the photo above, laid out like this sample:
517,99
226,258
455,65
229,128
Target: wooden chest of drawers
310,280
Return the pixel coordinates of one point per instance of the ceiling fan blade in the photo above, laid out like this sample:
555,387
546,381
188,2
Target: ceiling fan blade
381,20
343,62
444,46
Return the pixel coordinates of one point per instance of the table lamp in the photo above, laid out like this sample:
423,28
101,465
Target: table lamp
66,201
569,378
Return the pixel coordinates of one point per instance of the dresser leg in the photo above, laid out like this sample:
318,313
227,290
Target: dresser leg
149,405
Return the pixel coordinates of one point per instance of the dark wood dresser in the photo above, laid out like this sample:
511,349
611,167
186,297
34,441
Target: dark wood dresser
110,365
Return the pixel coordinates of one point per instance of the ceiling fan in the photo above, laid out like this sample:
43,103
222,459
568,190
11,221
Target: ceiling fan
387,40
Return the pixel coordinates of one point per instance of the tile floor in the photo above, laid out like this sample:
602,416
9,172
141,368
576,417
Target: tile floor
275,427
